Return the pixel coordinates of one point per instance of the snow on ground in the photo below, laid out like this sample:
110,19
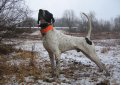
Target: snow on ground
36,33
111,58
85,72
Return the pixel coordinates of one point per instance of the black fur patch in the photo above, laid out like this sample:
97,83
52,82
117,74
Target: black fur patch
78,50
88,41
43,25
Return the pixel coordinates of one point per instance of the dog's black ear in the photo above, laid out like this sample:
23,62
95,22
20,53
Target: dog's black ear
39,15
88,41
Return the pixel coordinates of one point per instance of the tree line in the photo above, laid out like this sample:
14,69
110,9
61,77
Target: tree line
70,20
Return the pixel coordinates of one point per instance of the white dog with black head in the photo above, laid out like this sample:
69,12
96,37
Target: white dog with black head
56,43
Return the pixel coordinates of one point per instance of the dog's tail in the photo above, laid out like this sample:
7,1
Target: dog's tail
90,26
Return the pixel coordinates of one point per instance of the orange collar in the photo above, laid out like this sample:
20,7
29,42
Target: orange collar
45,30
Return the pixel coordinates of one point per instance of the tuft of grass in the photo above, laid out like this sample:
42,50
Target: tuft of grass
24,54
105,82
6,49
105,50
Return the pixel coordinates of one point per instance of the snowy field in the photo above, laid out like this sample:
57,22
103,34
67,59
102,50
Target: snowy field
76,69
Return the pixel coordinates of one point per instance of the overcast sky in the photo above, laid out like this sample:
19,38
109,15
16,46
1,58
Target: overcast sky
104,9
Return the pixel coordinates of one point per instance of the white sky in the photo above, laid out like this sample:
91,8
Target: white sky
104,9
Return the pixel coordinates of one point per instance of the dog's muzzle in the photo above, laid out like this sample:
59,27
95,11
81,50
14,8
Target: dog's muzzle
43,25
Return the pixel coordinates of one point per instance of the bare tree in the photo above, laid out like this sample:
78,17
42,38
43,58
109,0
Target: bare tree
69,19
99,25
28,22
11,13
83,25
60,22
117,24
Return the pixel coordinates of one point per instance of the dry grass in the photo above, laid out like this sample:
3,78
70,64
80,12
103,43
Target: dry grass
105,50
6,49
20,71
24,54
105,82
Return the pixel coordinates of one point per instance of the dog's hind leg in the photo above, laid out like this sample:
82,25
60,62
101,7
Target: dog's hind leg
91,54
97,61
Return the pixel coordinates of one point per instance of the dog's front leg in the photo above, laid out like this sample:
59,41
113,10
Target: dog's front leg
57,57
52,64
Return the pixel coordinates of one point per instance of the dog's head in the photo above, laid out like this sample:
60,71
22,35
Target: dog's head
45,15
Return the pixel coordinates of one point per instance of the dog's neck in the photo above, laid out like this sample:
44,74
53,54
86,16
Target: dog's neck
45,30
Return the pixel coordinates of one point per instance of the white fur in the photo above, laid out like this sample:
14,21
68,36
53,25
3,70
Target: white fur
56,43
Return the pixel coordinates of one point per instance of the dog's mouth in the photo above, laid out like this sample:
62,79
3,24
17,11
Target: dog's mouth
44,25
